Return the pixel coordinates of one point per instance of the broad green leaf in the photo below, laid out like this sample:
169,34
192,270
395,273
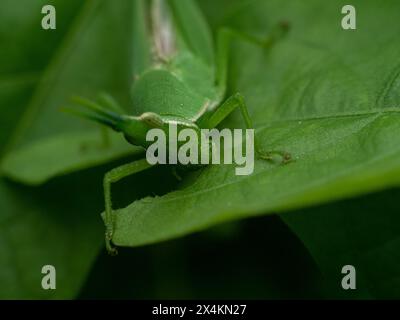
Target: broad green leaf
25,51
14,95
25,47
94,57
327,96
43,160
365,233
55,224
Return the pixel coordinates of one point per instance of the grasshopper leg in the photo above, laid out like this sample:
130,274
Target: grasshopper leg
114,176
224,39
232,103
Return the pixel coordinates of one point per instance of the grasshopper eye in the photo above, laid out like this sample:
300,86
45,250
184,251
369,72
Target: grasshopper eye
152,119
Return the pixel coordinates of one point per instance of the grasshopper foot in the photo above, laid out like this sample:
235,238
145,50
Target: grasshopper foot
285,157
112,251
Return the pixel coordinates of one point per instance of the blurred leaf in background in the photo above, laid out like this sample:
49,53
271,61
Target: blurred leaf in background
56,224
251,259
35,229
363,232
94,56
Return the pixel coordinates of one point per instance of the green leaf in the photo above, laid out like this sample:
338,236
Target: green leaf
327,96
43,160
24,53
14,95
55,224
363,232
93,57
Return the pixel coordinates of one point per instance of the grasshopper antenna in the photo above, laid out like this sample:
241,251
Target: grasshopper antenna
94,111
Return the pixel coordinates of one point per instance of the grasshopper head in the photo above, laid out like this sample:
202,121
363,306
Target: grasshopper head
134,129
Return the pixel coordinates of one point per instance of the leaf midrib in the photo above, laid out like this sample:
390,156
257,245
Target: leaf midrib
316,183
370,112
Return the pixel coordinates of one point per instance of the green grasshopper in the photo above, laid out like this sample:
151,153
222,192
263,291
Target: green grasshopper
179,79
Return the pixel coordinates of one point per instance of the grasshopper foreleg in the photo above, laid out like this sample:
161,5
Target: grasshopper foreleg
114,176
